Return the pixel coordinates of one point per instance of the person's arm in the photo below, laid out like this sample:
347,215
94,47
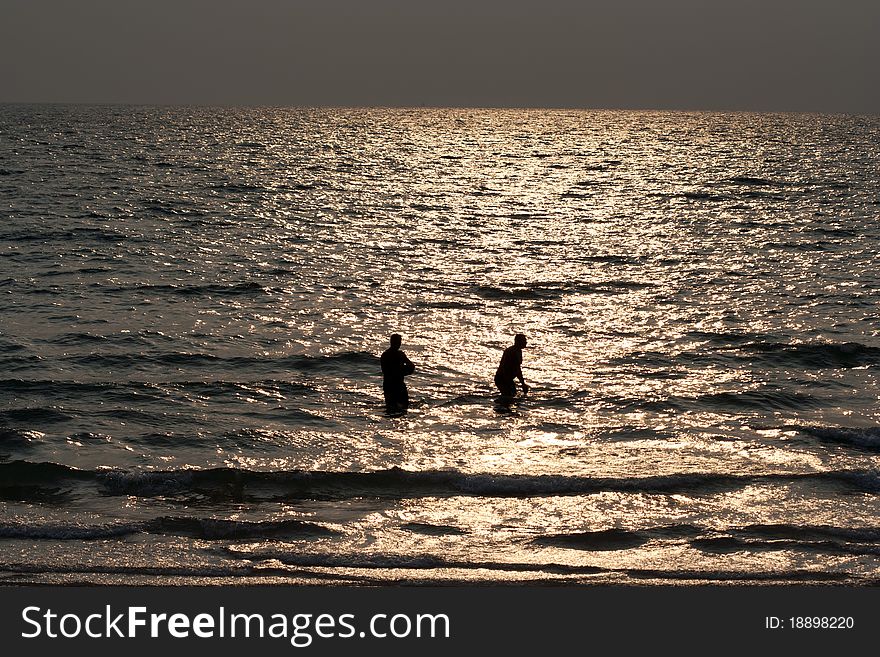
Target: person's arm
520,376
408,367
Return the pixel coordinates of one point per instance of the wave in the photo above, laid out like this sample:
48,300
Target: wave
81,337
340,361
811,533
16,472
201,528
209,290
554,290
221,529
625,433
170,209
734,348
241,387
43,415
61,532
230,289
35,494
816,354
614,259
815,539
609,539
238,187
739,575
728,544
835,232
73,235
18,438
421,562
467,399
431,562
766,399
304,187
38,483
867,439
603,166
334,362
727,338
762,399
279,565
12,348
452,305
395,483
757,182
704,196
432,530
135,571
818,245
618,539
137,389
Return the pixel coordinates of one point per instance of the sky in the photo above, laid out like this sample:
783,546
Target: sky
764,55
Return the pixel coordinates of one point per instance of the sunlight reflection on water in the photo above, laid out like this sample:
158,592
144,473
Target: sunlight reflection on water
201,288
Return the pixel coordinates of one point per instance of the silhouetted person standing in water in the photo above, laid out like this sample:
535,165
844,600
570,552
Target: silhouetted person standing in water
395,366
511,368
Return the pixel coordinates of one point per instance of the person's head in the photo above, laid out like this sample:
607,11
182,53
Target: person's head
396,340
519,341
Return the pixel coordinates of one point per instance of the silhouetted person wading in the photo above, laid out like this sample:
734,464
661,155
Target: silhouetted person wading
511,368
395,366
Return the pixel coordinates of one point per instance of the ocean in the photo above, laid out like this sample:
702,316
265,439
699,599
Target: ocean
193,302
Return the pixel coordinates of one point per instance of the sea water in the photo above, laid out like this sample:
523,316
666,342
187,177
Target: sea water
193,302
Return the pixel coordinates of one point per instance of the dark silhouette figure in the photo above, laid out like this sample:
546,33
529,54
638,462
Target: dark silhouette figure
395,366
511,368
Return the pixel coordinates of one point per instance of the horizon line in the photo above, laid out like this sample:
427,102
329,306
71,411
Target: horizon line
425,106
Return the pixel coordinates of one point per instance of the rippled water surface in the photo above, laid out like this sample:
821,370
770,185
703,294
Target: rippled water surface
193,301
